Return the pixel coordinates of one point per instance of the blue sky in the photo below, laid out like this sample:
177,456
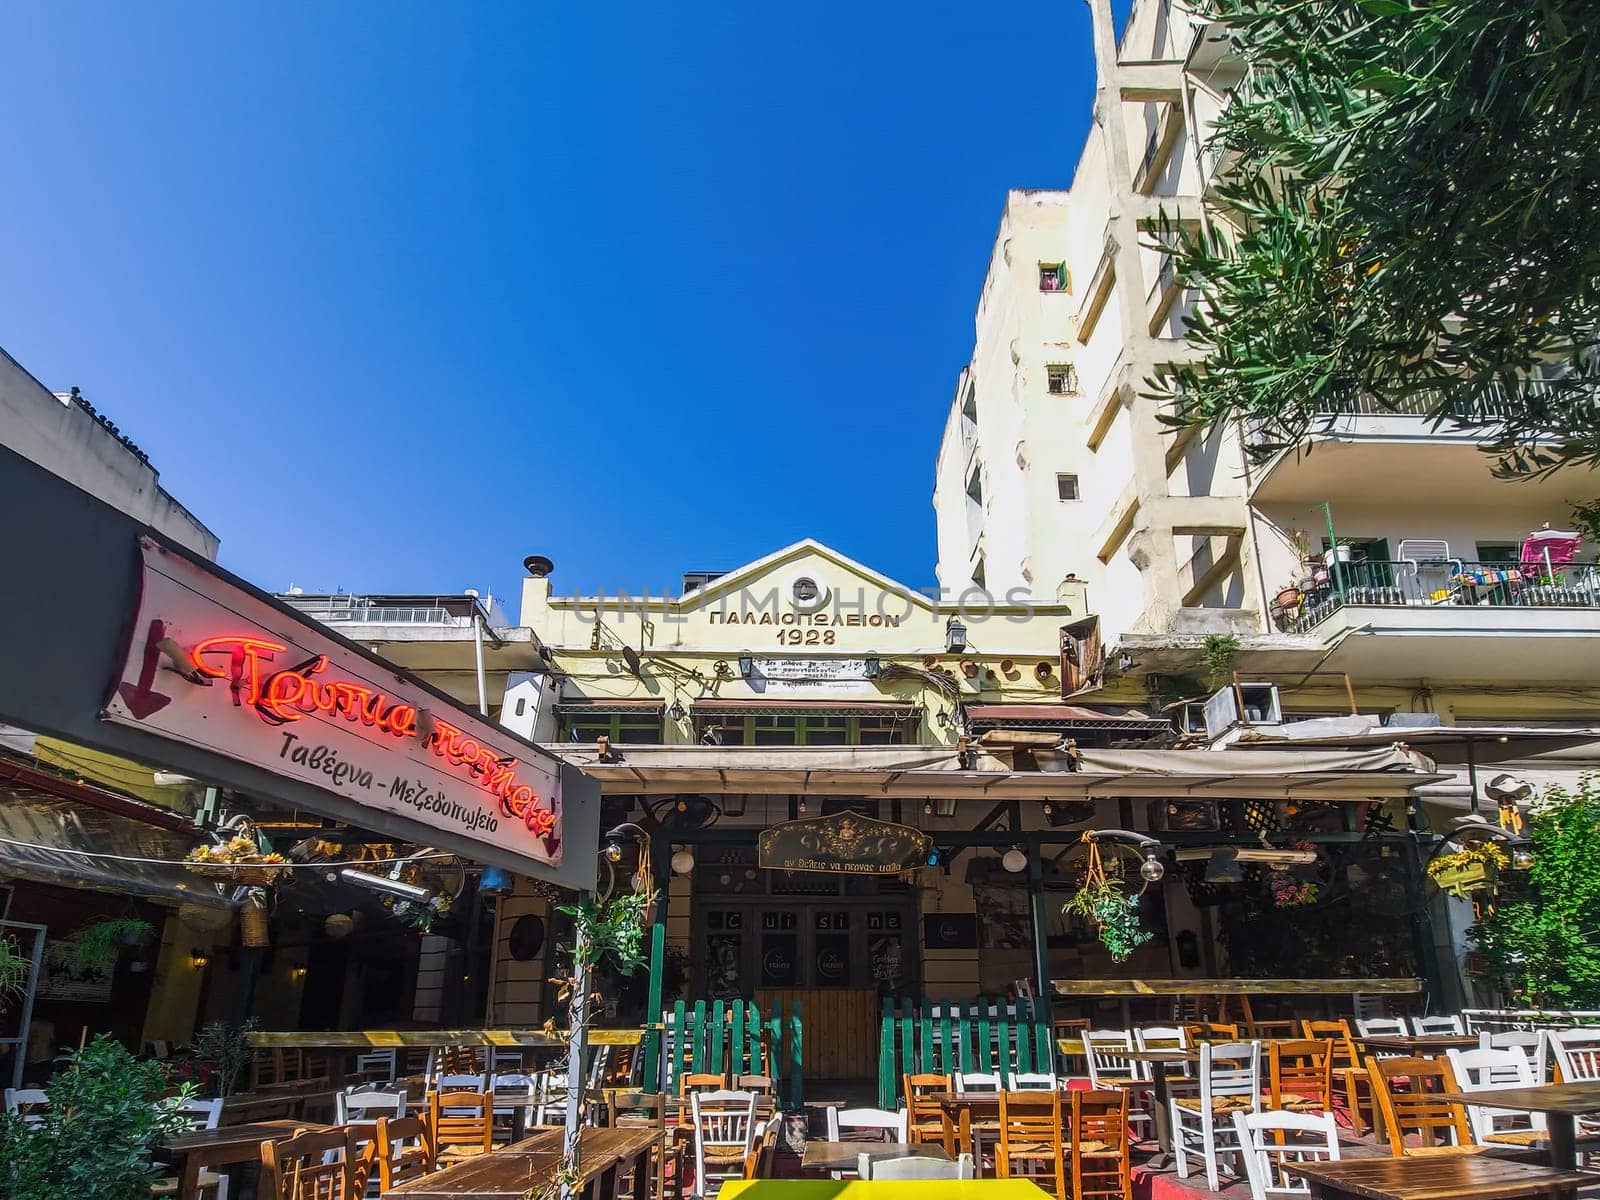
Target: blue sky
394,296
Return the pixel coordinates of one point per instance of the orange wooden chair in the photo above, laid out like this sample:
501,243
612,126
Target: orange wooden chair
700,1081
403,1148
1407,1094
1348,1075
1031,1141
1102,1164
1301,1075
462,1124
311,1165
1211,1031
926,1116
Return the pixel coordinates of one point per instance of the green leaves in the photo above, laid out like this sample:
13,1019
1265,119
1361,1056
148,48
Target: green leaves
1414,215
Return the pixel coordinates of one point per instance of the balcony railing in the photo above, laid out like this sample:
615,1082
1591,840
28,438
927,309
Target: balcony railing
1446,583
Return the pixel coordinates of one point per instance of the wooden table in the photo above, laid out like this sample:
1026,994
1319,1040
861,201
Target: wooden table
291,1099
1420,1045
884,1189
844,1156
1562,1104
520,1168
1445,1177
225,1147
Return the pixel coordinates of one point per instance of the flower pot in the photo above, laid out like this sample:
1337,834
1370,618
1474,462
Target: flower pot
1459,881
1289,597
1339,554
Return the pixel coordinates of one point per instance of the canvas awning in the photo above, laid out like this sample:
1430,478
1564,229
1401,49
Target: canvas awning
1443,743
1068,718
935,772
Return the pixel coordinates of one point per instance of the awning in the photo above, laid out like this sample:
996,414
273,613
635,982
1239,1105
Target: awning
49,839
935,772
626,707
1443,743
1065,717
835,708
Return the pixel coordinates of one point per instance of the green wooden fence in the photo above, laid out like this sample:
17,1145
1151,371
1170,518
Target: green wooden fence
945,1036
731,1037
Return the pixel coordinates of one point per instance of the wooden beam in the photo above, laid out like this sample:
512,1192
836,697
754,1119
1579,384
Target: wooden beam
1236,987
384,1038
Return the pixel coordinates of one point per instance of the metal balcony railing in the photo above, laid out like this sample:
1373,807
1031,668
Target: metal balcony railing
1446,583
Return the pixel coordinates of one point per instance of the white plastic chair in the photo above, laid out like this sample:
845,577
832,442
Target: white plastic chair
724,1127
198,1114
1034,1081
1271,1139
978,1081
362,1102
914,1168
1423,1026
28,1103
894,1122
1479,1070
1230,1082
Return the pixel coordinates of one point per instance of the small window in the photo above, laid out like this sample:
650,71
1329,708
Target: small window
975,488
1067,487
1062,379
979,579
1052,277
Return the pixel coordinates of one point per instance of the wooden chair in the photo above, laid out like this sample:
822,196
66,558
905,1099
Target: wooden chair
1407,1091
1300,1074
1348,1074
648,1110
462,1124
1267,1028
1030,1145
1101,1147
1478,1070
1273,1141
913,1168
724,1127
868,1124
762,1085
310,1165
700,1081
1426,1026
198,1114
363,1102
403,1148
1202,1125
1211,1031
763,1146
926,1118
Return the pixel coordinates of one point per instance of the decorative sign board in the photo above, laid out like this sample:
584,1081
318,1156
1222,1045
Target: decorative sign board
843,843
63,977
810,674
212,665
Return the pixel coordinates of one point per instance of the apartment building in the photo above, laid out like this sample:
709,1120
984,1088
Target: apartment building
1386,552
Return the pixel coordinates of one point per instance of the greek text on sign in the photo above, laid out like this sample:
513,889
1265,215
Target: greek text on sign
213,666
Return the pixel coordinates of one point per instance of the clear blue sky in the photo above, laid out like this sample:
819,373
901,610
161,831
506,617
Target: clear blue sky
396,295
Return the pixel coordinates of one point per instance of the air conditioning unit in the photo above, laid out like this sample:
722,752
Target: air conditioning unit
1261,707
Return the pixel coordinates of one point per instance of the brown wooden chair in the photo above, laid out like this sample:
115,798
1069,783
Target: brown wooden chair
925,1116
1031,1141
700,1081
1101,1149
462,1124
1407,1094
762,1085
1211,1031
648,1110
1348,1075
403,1150
310,1165
1300,1075
763,1147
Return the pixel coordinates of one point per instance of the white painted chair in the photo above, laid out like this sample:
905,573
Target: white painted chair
1381,1027
1532,1042
978,1081
1424,1026
1479,1070
1270,1140
889,1125
363,1102
914,1168
514,1092
1109,1064
1034,1081
29,1103
377,1066
724,1126
1202,1124
1163,1037
1577,1056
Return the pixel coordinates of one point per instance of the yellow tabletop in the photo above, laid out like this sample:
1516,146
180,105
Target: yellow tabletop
884,1189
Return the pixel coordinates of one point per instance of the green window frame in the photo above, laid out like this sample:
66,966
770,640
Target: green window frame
623,728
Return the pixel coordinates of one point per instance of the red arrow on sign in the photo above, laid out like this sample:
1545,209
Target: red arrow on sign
141,698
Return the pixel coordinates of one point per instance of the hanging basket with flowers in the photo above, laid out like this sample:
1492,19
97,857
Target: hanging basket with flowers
1471,869
1102,902
239,861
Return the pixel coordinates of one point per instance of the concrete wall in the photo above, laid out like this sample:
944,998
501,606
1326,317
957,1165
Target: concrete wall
65,440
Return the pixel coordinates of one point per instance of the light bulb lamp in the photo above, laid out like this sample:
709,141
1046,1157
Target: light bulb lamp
1152,869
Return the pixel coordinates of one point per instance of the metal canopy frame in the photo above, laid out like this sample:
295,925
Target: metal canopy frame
25,1017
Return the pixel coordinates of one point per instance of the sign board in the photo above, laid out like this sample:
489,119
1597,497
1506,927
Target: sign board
212,665
63,977
810,674
844,843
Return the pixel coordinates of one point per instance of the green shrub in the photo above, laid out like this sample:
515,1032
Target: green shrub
97,1141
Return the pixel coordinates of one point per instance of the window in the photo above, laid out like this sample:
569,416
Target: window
979,580
620,727
1499,552
812,729
1067,487
1052,277
975,488
1061,379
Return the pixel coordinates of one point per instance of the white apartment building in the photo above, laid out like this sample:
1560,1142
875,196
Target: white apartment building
1175,534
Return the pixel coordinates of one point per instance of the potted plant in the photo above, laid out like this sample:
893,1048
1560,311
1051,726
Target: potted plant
1288,596
239,860
225,1049
99,942
1473,868
1102,902
1338,552
108,1115
14,968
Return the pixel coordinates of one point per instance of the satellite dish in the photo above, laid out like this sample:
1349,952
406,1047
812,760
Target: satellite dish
631,657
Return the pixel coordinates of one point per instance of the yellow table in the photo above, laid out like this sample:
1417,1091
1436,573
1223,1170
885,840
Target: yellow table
885,1189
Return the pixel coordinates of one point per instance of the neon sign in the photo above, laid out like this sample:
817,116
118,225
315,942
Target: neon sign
292,693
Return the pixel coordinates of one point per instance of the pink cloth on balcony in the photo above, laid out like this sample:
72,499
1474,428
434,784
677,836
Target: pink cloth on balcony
1557,544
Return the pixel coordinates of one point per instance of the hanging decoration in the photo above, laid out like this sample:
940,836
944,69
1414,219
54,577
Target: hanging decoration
1102,902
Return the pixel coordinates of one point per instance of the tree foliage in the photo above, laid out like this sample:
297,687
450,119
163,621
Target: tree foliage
1414,218
1541,942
